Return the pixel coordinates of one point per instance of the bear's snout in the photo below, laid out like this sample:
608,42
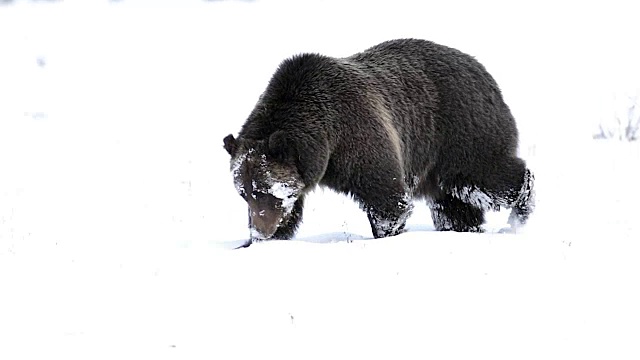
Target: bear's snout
265,222
266,214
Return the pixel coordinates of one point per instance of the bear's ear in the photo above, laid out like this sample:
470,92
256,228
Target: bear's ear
280,146
230,144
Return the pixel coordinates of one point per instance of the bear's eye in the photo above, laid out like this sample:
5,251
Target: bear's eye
242,193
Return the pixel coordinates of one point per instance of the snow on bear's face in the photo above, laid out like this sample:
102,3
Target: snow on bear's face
267,181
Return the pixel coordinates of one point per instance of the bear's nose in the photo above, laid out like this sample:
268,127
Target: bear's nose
264,222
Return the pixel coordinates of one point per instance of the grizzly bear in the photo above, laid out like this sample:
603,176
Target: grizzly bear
405,119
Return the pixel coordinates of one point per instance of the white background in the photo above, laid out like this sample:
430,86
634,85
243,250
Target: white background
117,210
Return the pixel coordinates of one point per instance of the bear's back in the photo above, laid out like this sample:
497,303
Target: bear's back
444,103
440,106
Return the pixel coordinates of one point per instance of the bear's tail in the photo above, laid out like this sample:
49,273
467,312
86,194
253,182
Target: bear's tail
525,204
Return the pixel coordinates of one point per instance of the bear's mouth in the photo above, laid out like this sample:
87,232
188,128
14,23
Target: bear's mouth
265,215
257,235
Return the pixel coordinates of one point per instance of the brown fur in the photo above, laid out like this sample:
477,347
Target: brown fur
401,120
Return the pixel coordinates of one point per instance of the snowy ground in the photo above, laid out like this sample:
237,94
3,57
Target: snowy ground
117,211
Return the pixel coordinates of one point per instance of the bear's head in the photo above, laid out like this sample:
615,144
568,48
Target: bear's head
267,178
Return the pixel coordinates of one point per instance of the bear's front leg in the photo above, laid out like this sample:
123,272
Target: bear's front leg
389,217
290,223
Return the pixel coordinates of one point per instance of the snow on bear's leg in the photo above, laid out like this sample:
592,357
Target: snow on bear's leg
525,203
390,219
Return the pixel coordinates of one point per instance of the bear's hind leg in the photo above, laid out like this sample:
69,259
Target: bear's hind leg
524,204
452,214
511,186
290,224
